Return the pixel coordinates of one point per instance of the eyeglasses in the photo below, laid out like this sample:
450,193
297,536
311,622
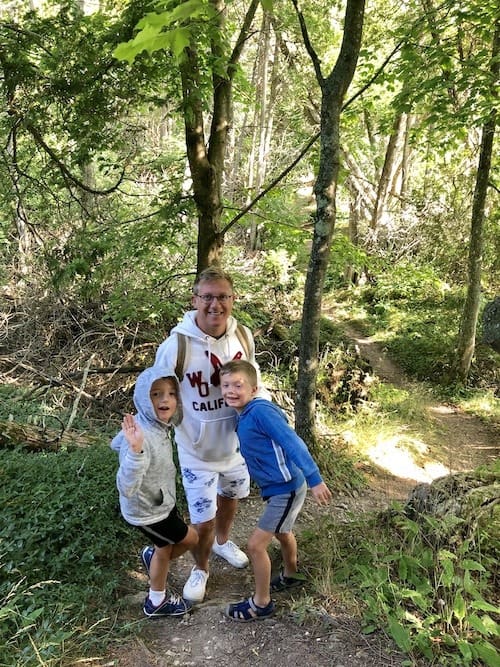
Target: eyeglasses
208,298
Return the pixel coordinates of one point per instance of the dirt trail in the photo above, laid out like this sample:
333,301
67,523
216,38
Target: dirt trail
467,441
206,637
330,640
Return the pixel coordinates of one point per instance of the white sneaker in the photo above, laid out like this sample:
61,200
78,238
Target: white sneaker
194,588
230,552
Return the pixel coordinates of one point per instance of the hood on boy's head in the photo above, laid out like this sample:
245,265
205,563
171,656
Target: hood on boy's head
142,398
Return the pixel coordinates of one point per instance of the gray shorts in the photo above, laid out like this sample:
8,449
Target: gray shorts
282,511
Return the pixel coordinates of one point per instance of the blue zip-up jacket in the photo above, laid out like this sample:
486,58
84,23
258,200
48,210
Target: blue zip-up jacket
277,459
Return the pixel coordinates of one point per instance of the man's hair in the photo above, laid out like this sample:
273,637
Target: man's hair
210,274
240,366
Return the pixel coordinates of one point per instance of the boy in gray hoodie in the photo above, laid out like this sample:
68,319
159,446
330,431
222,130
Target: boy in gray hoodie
147,488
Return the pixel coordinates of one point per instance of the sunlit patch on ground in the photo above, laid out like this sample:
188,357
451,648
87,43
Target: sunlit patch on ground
404,456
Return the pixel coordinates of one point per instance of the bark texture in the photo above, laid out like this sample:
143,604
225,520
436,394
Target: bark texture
467,333
333,90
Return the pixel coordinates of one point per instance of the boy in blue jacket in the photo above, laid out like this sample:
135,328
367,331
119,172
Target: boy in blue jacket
146,483
281,465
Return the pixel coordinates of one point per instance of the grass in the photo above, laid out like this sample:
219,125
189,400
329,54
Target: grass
415,314
64,554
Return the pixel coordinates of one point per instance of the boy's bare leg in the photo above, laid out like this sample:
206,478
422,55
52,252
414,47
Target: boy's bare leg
187,544
261,564
289,552
159,567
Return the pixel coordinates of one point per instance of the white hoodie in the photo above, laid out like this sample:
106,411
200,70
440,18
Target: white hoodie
206,437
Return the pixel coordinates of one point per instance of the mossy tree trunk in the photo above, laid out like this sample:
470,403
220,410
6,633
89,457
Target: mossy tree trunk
467,333
333,90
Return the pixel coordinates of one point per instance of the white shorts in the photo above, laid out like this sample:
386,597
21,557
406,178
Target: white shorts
202,488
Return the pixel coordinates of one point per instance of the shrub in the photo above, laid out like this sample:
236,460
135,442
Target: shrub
430,582
64,550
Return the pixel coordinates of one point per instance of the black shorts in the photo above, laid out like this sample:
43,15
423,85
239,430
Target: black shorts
171,530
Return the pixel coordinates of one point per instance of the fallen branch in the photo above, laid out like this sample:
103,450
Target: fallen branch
40,438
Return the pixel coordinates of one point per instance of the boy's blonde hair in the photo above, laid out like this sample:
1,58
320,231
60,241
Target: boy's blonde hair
240,366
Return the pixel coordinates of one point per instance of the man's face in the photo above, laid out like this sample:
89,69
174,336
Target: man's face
212,314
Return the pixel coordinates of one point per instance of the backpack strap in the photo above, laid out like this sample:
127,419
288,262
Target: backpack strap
182,343
181,356
241,332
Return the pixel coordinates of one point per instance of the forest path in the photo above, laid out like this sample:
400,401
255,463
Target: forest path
465,441
326,639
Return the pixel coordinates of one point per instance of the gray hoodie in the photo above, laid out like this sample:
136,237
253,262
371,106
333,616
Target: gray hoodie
146,481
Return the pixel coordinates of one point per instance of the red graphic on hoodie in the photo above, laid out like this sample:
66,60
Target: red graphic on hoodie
195,379
217,364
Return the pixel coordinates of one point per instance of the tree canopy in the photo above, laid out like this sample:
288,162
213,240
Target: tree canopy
140,138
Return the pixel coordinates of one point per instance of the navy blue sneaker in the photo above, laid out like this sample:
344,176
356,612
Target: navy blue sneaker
172,605
146,556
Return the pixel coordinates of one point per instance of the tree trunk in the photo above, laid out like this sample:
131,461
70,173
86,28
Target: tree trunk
206,159
358,185
266,85
333,90
205,176
403,183
467,333
387,172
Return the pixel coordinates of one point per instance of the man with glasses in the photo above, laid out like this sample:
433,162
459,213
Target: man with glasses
214,473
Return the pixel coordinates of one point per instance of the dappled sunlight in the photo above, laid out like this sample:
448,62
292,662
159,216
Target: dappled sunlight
404,456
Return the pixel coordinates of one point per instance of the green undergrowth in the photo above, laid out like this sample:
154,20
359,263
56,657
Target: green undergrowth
431,583
415,314
64,554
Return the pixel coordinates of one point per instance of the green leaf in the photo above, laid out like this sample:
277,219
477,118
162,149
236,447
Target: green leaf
368,629
125,51
488,654
192,9
447,573
485,625
465,649
147,35
485,606
400,634
267,5
158,20
469,585
459,606
180,40
469,564
416,597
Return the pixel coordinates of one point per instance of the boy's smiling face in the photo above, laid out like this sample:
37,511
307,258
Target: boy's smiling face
163,396
237,390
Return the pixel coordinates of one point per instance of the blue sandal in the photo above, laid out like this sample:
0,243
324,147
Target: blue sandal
247,610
